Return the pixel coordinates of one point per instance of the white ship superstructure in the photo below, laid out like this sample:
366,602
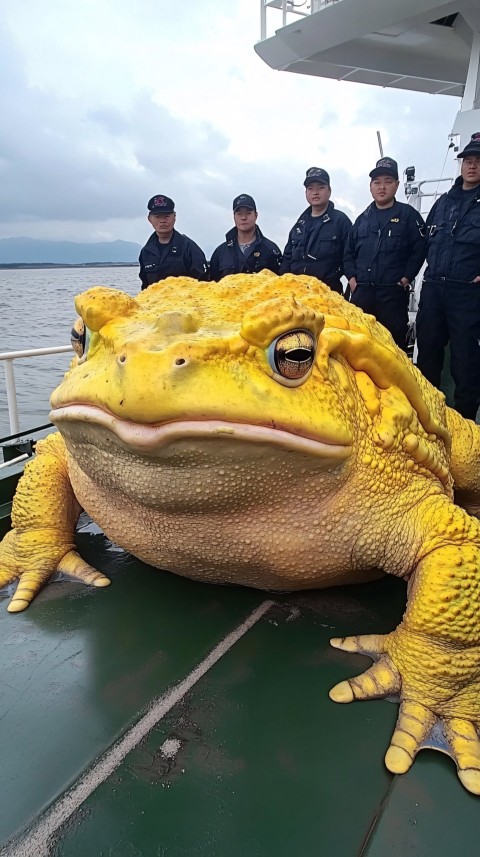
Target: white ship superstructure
420,45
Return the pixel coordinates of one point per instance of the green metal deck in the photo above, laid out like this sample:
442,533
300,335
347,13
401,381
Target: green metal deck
114,742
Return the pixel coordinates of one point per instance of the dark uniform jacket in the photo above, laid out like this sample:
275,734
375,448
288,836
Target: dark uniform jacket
181,257
316,248
229,259
384,255
453,236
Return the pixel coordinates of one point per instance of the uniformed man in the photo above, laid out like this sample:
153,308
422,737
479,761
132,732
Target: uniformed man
450,299
384,253
167,252
245,250
316,242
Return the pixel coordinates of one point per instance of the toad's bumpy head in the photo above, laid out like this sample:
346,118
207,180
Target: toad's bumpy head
263,431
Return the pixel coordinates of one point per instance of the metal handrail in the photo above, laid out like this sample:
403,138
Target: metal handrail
8,357
290,7
16,460
415,193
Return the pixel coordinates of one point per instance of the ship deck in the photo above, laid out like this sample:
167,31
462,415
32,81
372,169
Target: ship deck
162,716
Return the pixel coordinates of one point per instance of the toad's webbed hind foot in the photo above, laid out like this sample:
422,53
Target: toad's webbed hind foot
425,719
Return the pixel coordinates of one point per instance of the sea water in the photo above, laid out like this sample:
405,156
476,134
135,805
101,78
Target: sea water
37,311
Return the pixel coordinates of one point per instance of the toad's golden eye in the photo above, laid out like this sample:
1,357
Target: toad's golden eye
291,355
80,338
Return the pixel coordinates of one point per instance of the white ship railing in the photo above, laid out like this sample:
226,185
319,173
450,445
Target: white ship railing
415,192
289,8
16,460
7,358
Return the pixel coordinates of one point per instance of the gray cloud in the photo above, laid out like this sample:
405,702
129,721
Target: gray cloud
82,169
60,162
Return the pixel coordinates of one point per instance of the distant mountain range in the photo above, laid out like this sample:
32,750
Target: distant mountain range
31,251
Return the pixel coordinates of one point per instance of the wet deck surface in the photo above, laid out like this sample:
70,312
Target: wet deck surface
254,759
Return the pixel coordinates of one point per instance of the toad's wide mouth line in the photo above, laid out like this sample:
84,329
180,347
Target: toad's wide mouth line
148,438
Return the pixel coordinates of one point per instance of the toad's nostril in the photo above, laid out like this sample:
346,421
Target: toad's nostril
180,361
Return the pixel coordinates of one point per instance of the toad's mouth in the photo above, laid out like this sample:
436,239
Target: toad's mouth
147,439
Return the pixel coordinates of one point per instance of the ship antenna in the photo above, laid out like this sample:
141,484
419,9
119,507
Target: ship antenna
450,145
379,138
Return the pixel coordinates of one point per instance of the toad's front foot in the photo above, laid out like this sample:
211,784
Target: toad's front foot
32,558
436,684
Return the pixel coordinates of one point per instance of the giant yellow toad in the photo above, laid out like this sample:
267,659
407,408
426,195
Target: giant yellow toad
263,431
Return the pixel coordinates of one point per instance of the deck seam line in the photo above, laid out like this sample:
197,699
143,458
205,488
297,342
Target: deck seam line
37,839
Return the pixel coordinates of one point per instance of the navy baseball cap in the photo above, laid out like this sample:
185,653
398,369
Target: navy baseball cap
161,205
316,174
244,201
473,147
385,167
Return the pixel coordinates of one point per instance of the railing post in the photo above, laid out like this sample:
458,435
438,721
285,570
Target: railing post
263,20
11,397
7,357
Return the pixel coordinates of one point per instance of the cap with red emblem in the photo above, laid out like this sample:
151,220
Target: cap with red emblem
161,205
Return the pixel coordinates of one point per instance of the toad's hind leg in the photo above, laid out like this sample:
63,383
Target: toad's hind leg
432,660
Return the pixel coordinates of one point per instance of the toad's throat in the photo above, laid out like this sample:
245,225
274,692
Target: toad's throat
149,438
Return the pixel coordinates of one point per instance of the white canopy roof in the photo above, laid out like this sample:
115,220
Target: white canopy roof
420,45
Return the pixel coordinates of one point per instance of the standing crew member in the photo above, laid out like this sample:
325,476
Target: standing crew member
245,250
450,299
316,242
385,251
167,253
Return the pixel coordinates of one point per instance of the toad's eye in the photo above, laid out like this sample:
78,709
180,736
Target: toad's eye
80,338
291,356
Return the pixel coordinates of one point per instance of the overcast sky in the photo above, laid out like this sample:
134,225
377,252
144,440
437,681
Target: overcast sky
105,103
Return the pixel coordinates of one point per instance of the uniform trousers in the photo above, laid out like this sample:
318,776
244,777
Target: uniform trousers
388,303
449,311
335,286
